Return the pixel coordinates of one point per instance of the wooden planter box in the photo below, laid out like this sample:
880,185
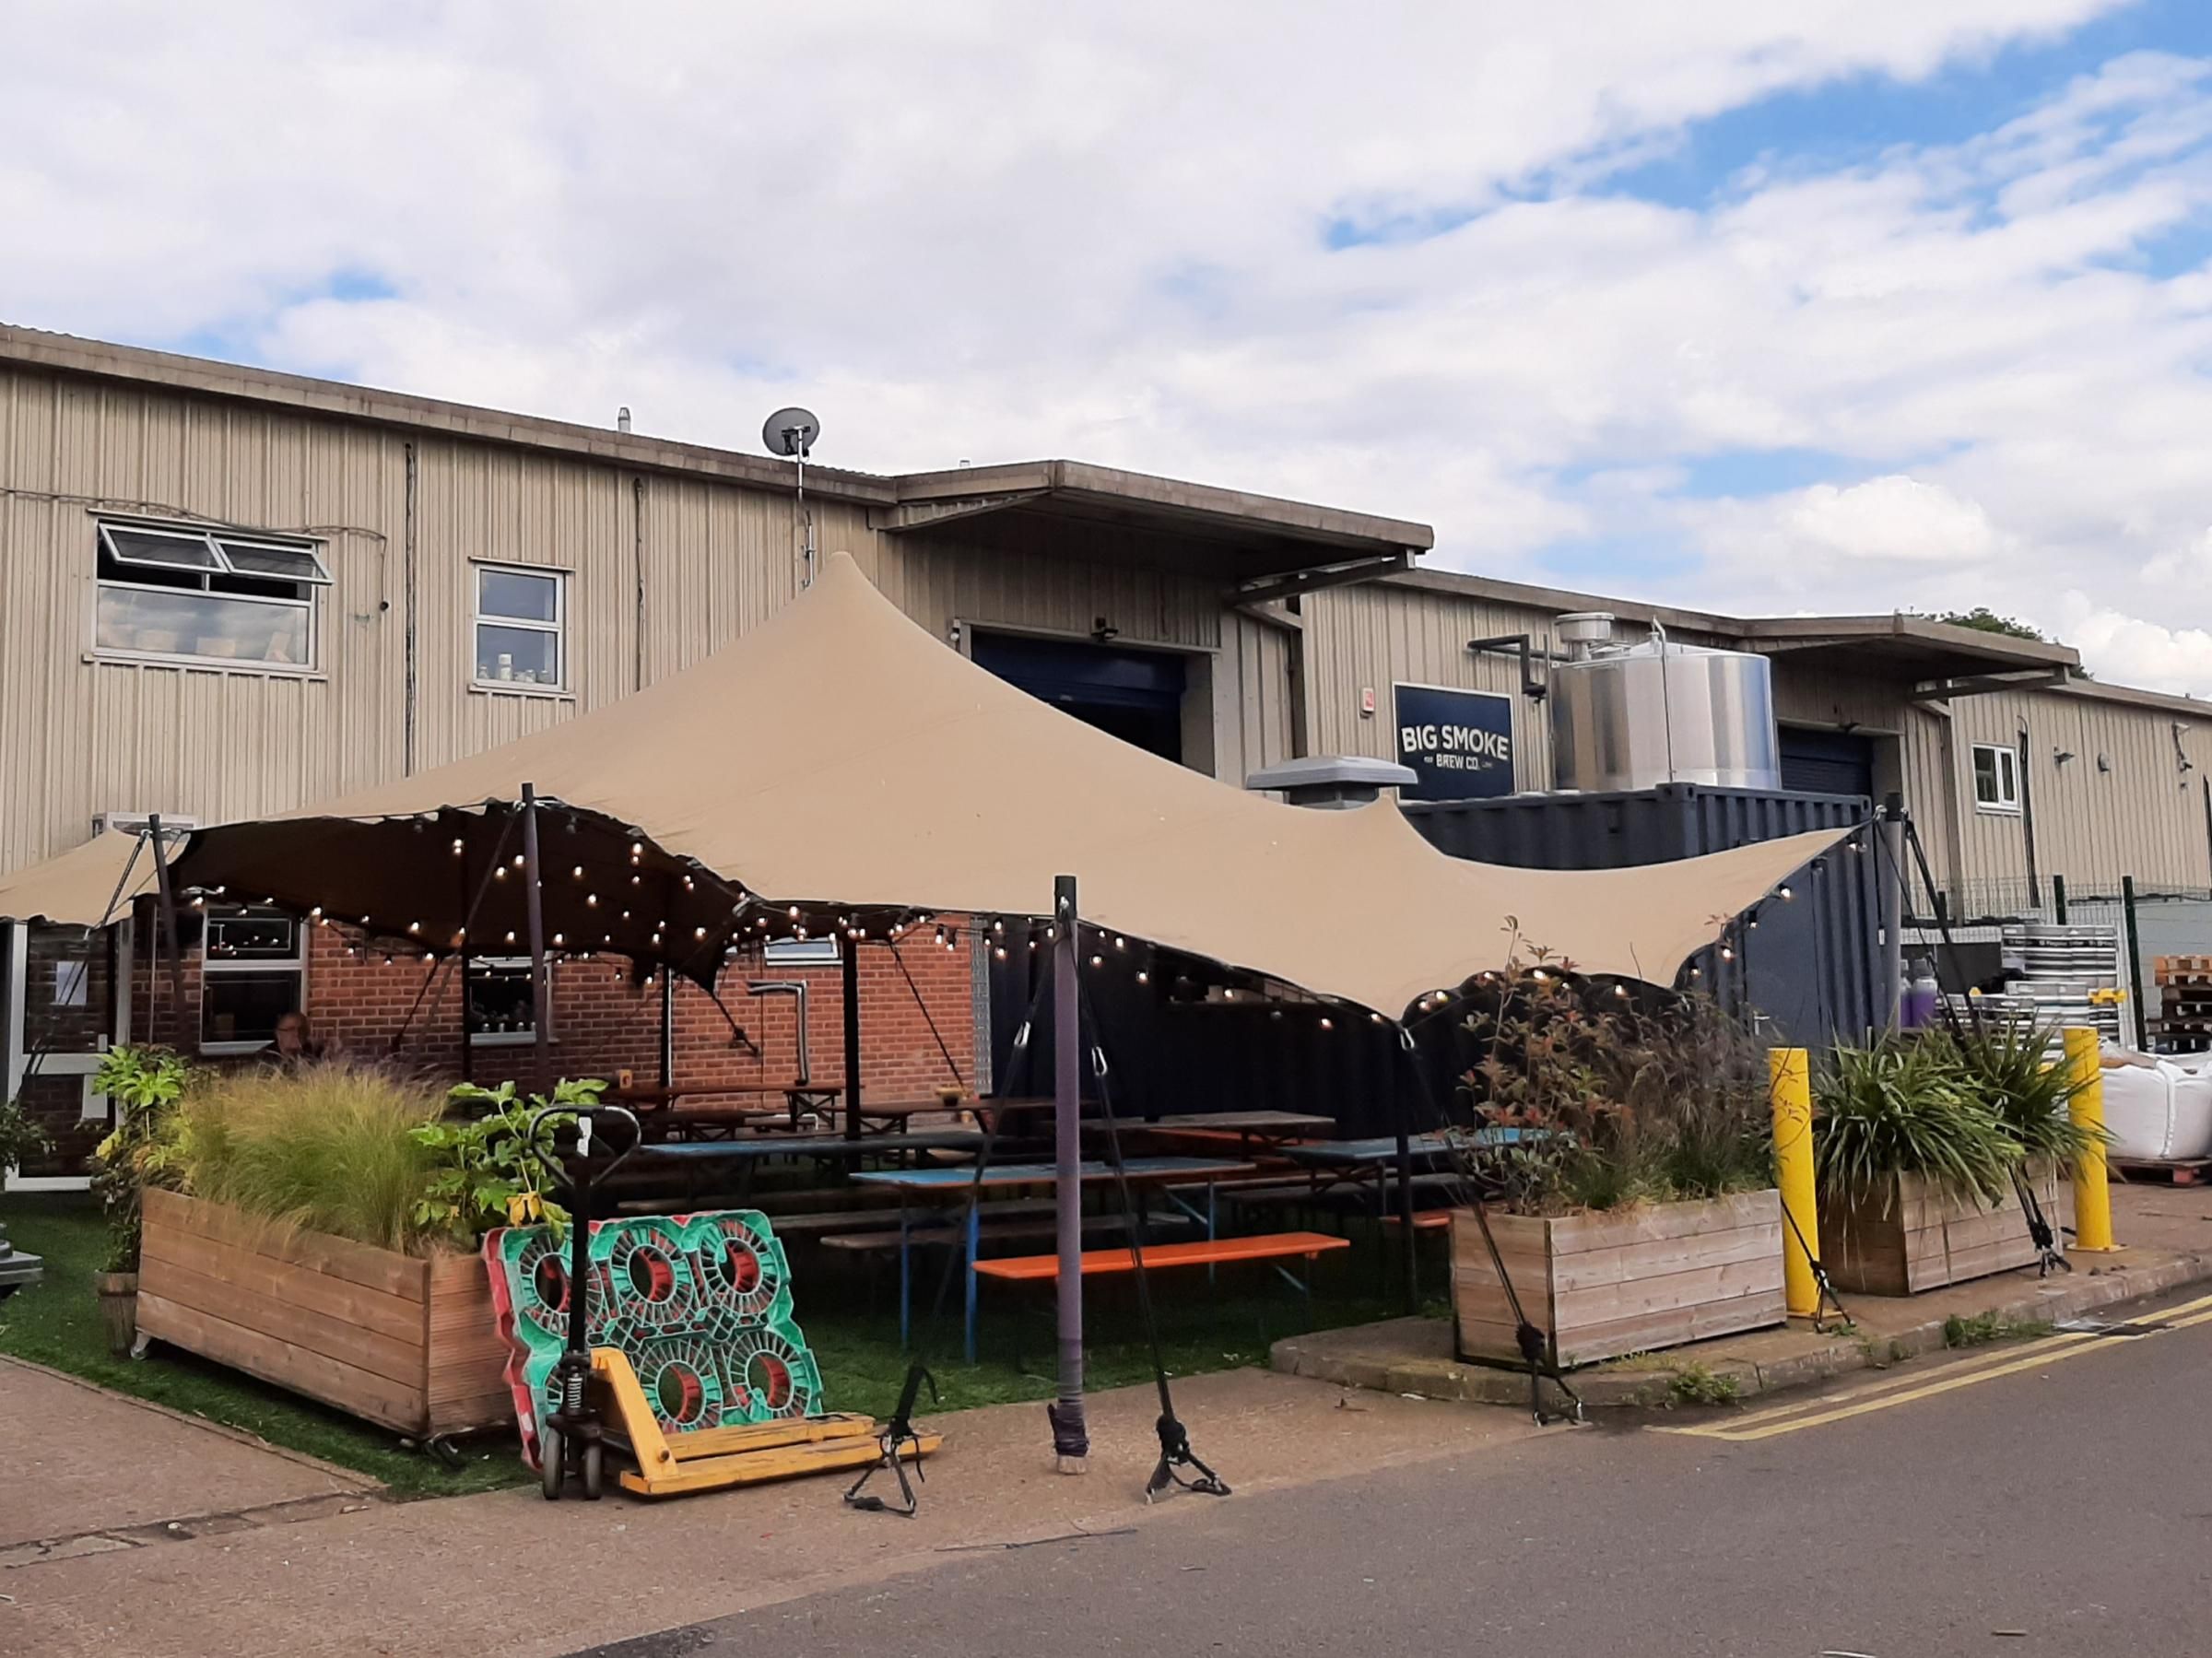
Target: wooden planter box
409,1342
1602,1285
1915,1238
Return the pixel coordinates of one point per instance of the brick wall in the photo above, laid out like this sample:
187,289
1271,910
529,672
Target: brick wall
604,1023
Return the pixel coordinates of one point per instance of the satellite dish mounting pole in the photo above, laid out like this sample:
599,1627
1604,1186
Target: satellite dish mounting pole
791,432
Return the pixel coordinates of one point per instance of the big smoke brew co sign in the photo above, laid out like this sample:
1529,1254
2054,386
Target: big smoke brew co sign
1459,742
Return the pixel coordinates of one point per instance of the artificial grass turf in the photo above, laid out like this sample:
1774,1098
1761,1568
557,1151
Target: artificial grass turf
855,1337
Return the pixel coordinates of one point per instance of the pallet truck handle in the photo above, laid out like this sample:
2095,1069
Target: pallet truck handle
535,1148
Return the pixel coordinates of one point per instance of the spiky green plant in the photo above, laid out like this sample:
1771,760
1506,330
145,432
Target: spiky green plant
1904,1106
2010,1066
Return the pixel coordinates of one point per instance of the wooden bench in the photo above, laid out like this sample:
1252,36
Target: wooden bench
1208,1252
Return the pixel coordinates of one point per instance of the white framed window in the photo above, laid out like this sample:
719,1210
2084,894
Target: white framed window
501,1010
801,952
1996,778
223,598
252,972
520,627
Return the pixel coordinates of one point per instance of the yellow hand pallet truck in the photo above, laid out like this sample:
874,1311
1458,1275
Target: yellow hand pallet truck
717,1459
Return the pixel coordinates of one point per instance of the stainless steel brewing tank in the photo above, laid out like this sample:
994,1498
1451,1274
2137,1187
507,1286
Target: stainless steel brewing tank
1661,713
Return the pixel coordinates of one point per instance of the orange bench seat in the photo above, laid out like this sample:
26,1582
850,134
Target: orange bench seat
1214,1251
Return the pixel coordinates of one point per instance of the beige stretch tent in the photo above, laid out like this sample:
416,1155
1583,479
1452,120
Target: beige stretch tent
85,887
838,756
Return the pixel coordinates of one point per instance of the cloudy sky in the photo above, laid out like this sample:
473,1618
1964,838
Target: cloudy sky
1834,304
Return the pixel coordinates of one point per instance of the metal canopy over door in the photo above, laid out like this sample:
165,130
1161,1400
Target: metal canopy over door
1135,695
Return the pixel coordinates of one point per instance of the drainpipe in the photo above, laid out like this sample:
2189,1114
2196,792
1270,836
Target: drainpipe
2035,884
408,610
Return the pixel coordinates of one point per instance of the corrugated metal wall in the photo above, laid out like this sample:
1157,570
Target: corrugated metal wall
2139,812
663,569
1371,637
1811,967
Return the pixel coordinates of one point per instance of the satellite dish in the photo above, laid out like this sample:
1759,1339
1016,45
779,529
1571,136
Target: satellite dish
791,432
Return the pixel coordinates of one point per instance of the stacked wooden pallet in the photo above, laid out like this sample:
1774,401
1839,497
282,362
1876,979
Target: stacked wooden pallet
2184,1021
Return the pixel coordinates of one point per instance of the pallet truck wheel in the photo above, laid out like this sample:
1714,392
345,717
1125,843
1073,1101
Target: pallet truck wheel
552,1461
594,1470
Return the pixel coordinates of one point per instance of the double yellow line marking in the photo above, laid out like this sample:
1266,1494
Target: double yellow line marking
1880,1395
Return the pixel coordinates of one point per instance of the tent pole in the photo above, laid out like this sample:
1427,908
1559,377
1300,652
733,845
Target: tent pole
1406,1240
469,1021
1071,1437
534,906
848,957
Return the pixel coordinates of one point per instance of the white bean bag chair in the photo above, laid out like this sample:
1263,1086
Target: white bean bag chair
2191,1135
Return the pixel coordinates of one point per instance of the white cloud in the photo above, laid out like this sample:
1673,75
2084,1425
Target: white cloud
962,233
2132,651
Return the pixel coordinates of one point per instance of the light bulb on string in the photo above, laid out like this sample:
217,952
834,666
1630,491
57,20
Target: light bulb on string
459,846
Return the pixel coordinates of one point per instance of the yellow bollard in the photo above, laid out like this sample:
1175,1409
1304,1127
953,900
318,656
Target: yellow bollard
1790,1073
2092,1198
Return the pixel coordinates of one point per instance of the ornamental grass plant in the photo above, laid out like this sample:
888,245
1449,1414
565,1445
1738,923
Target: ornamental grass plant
326,1148
1593,1095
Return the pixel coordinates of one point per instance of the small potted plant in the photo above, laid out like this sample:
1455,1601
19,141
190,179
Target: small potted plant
146,1085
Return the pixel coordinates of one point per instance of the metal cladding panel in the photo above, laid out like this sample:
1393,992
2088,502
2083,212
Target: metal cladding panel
81,736
2129,800
1810,970
1375,635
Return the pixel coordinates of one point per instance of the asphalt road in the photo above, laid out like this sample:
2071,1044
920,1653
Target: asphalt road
2060,1504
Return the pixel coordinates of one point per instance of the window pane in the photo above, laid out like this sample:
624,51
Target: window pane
244,1007
199,624
285,563
523,597
250,937
517,655
1985,776
152,547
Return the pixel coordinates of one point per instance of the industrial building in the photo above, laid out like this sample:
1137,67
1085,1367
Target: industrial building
225,591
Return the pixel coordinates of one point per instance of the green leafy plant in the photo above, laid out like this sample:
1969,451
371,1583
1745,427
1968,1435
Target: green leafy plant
330,1148
2008,1066
491,1170
1905,1106
1986,1327
1696,1383
144,1146
22,1137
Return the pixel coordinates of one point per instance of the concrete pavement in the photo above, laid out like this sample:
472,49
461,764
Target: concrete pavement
89,1471
506,1572
2050,1511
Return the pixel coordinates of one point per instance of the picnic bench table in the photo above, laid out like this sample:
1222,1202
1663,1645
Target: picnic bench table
798,1097
1263,1129
951,1186
751,1150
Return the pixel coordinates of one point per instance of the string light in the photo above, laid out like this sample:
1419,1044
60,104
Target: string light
556,940
1142,977
1098,961
591,899
1001,954
414,926
1784,894
316,914
499,874
1327,1023
459,846
577,872
517,860
637,849
699,932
